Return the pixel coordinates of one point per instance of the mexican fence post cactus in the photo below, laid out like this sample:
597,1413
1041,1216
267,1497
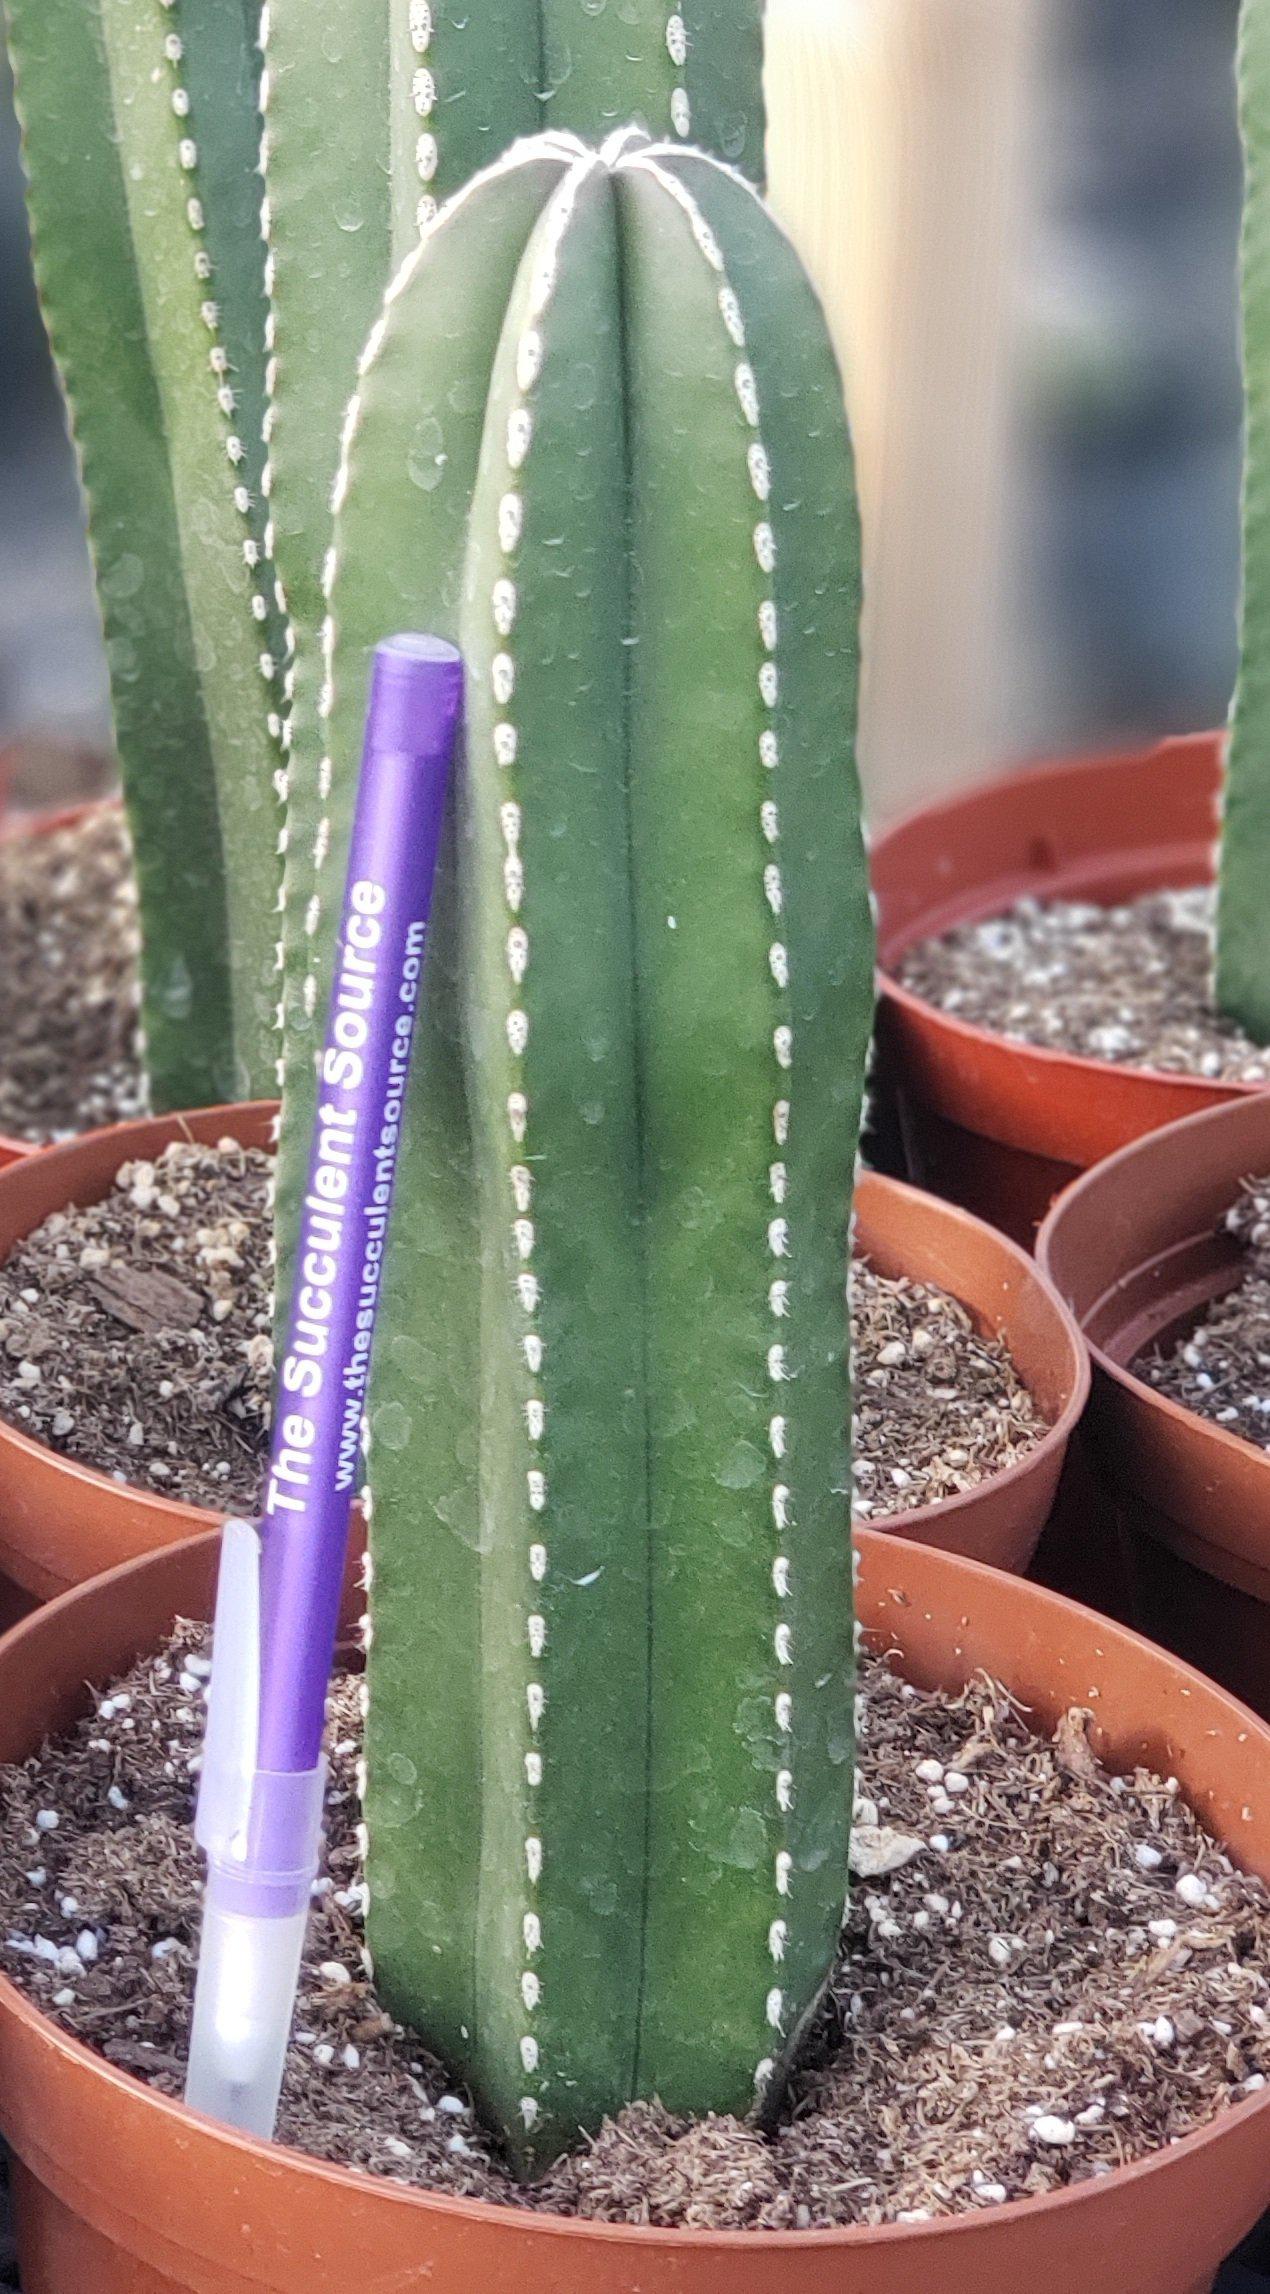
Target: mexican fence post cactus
140,141
375,112
1243,974
610,1719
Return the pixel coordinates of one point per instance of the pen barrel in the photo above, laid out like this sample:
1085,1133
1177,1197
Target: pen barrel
320,1395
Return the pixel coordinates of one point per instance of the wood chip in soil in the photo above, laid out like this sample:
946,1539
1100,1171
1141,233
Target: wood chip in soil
135,1332
119,1317
1132,985
70,1053
1221,1368
1046,1972
938,1406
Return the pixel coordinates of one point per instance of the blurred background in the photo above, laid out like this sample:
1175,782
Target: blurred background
1049,398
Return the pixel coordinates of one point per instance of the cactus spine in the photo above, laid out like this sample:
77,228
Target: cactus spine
139,135
610,1686
1243,975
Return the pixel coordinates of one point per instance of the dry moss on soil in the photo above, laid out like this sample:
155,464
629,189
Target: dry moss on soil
1046,1972
135,1332
1131,985
70,1053
135,1336
1222,1369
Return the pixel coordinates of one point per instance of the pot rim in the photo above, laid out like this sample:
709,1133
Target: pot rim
919,1520
1204,1433
1076,1069
849,2237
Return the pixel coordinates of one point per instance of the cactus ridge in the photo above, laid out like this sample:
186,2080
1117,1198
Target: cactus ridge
121,127
777,1237
1243,978
609,1731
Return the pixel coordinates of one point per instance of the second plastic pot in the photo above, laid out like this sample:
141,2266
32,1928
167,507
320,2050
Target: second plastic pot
62,1522
997,1125
1136,1248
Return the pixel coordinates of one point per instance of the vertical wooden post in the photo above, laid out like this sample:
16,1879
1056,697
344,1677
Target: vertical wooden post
897,161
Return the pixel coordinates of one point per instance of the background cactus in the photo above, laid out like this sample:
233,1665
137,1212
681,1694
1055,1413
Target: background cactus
610,1709
143,139
140,144
1243,973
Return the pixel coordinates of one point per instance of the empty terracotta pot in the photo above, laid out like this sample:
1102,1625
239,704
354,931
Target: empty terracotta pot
905,1232
119,2191
61,1522
1137,1250
996,1125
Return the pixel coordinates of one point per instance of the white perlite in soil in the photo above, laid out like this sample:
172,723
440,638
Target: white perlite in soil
1046,1972
938,1406
70,1055
135,1332
1130,985
1222,1370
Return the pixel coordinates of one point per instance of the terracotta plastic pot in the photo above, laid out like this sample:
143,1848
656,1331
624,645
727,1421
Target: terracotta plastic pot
61,1522
14,825
119,2191
1136,1248
905,1232
996,1125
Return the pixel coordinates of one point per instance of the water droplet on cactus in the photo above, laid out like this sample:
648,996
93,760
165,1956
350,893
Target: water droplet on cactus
425,461
391,1425
742,1467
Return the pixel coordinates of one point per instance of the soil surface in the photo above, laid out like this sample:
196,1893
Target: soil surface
1046,1972
937,1407
69,1046
134,1335
135,1332
1222,1370
1131,985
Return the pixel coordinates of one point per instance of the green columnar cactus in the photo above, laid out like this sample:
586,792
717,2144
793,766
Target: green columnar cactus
610,1683
375,112
1243,974
140,133
189,355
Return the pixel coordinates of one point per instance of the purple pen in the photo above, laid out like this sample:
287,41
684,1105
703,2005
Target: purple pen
278,1598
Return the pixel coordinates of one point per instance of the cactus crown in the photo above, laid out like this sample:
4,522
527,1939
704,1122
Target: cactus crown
610,1719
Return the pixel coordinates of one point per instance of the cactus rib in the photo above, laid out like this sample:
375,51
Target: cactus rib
609,1735
1243,977
114,155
